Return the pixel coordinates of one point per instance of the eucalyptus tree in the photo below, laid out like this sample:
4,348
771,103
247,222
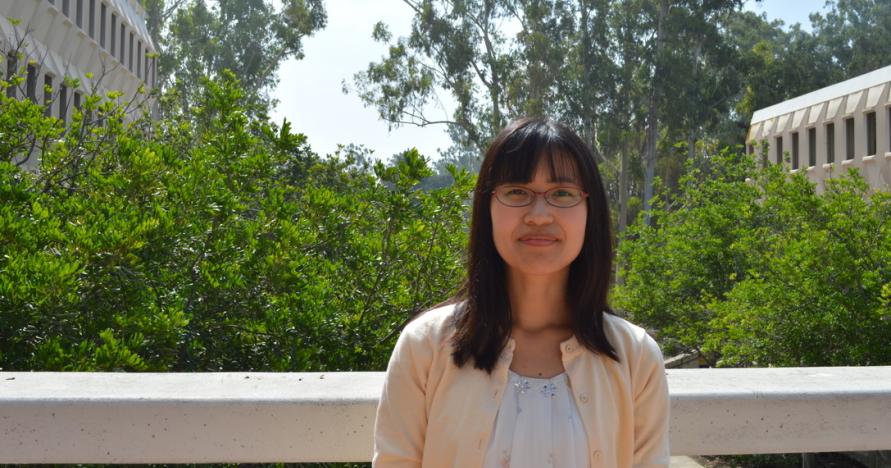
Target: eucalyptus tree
608,68
776,63
250,37
501,59
856,33
455,47
688,72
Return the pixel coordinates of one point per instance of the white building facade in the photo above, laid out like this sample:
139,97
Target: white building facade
104,44
826,132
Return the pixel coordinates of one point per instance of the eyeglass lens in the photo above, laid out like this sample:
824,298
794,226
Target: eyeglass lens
563,197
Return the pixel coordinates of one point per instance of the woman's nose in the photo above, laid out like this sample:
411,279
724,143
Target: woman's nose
539,212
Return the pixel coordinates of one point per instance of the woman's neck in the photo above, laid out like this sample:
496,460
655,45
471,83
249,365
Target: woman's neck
538,302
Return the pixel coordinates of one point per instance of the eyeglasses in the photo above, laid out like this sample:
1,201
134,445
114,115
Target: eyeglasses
560,197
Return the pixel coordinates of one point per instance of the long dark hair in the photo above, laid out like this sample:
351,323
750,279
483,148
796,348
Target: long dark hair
483,321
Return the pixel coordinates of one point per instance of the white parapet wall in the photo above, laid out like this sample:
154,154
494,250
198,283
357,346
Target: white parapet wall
48,417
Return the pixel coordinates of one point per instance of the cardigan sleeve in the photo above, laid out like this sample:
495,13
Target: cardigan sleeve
651,405
401,421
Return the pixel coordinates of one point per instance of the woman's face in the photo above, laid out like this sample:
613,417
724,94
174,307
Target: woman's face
539,239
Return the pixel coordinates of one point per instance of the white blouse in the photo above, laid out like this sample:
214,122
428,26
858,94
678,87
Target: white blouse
538,425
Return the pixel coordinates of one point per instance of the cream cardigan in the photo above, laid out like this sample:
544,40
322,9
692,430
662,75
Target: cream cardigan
435,414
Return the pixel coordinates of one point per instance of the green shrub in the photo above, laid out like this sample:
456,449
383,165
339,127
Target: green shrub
210,241
753,268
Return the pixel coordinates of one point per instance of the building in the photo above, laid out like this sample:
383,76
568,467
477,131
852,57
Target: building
102,43
825,132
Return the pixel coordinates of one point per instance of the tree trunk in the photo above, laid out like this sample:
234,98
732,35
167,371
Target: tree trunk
622,222
622,218
691,137
652,116
691,144
624,106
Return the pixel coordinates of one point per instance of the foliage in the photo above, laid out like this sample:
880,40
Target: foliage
248,37
649,84
854,33
213,239
211,242
776,65
453,46
754,268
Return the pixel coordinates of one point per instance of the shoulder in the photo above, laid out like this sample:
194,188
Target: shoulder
430,329
631,341
433,322
623,329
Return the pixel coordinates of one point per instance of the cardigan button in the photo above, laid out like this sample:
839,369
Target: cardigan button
596,454
583,398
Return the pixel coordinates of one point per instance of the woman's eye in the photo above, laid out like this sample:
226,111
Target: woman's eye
516,192
563,193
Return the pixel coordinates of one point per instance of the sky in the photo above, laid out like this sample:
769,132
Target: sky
310,91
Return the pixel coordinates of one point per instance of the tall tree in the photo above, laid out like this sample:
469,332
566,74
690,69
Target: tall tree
856,33
249,37
624,96
774,64
498,60
645,82
653,105
455,47
599,65
685,34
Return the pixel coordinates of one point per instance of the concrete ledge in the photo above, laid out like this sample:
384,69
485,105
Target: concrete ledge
311,417
780,410
186,418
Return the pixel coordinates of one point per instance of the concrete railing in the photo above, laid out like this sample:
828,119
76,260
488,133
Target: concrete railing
313,417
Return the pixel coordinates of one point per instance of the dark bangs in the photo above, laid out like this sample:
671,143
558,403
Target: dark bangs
522,151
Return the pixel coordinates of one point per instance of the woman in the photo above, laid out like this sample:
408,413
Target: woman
527,366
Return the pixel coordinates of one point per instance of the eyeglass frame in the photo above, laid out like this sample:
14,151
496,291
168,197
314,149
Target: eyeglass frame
544,195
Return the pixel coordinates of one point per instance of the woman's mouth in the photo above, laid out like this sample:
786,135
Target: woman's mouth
538,241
